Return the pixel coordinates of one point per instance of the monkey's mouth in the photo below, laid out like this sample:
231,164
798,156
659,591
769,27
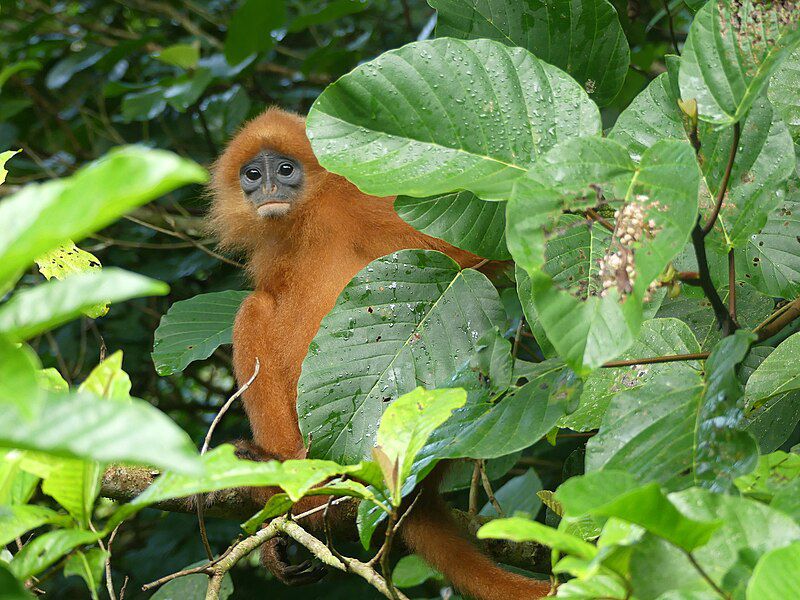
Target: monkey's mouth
273,208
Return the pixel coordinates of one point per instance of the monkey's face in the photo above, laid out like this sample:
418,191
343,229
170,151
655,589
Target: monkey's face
272,182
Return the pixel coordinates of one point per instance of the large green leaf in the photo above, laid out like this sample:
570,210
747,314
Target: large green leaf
192,329
460,218
411,318
650,432
732,49
401,124
32,311
749,529
40,217
724,452
594,315
82,426
658,337
250,27
583,38
777,575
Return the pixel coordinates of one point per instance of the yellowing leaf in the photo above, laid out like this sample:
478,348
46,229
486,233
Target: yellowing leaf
4,157
67,259
108,380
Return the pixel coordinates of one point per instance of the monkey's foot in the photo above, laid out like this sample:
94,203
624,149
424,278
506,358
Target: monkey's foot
273,556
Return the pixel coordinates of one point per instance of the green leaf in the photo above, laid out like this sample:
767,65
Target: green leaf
330,11
88,566
581,494
634,428
184,56
221,469
73,62
81,426
485,429
73,483
32,311
778,373
15,521
460,218
411,318
724,452
192,329
782,92
411,571
748,530
777,575
143,105
771,259
597,586
108,380
518,529
730,53
44,550
40,217
18,383
517,495
13,589
67,259
250,27
583,38
4,158
658,337
406,426
787,500
400,124
187,89
648,507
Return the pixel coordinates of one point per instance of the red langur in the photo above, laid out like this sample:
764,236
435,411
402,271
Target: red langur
306,232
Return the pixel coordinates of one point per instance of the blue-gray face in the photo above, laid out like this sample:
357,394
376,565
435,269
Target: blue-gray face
272,182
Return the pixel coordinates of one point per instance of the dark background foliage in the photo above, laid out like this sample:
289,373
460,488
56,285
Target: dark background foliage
78,78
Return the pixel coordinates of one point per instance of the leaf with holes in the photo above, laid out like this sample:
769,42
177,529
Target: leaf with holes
192,329
410,318
402,124
584,38
732,49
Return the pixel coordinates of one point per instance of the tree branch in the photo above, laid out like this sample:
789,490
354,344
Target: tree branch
123,484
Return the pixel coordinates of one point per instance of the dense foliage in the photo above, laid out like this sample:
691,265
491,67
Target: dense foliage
628,387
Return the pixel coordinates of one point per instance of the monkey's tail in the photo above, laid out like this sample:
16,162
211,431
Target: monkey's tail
429,530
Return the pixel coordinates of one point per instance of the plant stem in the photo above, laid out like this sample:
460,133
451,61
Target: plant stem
720,312
723,186
731,285
655,359
705,575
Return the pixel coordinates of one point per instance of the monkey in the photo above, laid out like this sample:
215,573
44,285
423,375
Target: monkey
306,232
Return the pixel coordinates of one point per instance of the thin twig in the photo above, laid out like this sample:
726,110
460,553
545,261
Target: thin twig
473,489
655,360
595,216
671,26
386,567
778,320
723,186
705,575
206,442
720,312
109,582
732,285
487,487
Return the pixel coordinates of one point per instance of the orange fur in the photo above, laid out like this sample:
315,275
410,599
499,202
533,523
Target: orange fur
300,263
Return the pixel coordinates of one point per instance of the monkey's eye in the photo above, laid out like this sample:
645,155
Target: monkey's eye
285,169
252,174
